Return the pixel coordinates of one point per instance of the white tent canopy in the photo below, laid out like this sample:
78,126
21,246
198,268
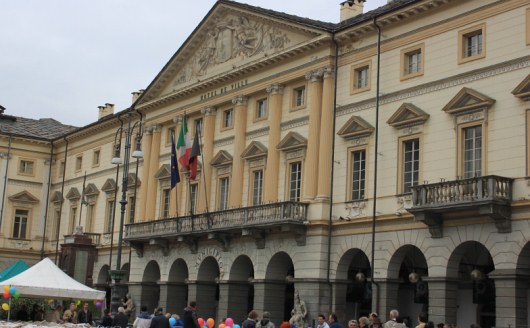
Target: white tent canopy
45,279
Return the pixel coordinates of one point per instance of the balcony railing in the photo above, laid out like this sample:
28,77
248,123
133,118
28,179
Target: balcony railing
490,195
233,219
94,236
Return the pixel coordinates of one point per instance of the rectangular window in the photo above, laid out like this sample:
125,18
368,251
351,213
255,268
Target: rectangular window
164,208
96,157
109,222
358,174
26,167
20,224
90,217
261,108
73,219
299,97
55,232
411,164
412,61
170,133
295,181
257,187
360,77
194,190
79,163
472,43
132,205
223,193
472,151
61,169
228,118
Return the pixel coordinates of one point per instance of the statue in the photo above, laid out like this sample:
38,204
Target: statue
299,312
129,306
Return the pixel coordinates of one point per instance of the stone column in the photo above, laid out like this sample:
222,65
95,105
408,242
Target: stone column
270,192
387,297
208,133
175,203
192,290
326,137
314,104
173,295
259,295
238,165
442,299
154,157
510,298
269,296
146,147
224,303
135,290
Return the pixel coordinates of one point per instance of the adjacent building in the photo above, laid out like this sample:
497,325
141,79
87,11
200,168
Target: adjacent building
377,163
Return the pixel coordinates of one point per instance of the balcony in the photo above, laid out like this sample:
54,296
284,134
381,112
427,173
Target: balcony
255,221
488,196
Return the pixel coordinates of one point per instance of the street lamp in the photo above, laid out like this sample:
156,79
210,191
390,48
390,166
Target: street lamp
117,275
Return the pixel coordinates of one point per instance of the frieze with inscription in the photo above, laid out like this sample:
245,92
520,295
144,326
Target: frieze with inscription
213,252
233,37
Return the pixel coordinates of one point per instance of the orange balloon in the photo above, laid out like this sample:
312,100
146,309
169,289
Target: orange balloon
6,288
210,322
222,325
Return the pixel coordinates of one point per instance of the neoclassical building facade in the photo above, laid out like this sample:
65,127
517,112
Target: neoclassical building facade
377,163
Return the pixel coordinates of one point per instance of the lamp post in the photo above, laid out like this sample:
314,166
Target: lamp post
118,274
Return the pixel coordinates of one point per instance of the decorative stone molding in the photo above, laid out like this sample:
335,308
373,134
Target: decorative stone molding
209,111
355,127
297,122
467,101
407,115
23,197
404,202
355,209
293,140
254,149
275,89
240,101
221,159
73,194
315,76
224,142
522,90
257,133
329,72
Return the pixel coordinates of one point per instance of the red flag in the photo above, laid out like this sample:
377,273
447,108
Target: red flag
194,156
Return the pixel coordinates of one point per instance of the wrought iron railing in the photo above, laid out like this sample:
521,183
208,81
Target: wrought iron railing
486,188
245,217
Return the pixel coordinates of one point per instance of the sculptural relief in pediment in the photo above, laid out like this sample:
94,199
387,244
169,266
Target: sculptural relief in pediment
232,38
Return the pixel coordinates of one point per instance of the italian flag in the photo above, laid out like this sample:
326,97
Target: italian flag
184,145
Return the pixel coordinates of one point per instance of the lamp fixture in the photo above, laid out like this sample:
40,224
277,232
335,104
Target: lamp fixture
360,277
414,277
476,274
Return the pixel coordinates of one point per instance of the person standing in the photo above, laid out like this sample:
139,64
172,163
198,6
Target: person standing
364,322
84,315
322,322
265,321
143,320
392,319
189,318
251,320
107,319
422,320
334,321
159,320
120,319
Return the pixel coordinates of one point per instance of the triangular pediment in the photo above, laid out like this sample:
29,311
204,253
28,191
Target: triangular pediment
24,197
355,127
522,90
73,193
91,190
109,186
407,115
222,158
253,150
232,39
164,172
133,181
56,197
292,140
468,100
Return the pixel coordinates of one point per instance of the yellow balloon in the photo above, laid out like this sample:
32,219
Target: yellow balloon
5,307
6,288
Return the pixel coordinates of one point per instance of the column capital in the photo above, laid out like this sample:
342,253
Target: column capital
315,76
240,100
177,119
156,128
207,111
329,72
275,88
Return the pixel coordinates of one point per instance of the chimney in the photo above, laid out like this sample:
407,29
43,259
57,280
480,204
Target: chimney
106,110
136,94
351,8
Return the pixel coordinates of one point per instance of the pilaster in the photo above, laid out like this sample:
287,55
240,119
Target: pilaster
326,136
388,297
154,158
238,165
208,132
173,296
146,147
442,299
270,192
314,104
510,298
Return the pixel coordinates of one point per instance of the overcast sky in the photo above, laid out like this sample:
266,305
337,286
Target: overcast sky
63,58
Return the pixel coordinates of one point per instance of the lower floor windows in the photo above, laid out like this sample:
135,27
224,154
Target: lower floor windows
295,181
20,224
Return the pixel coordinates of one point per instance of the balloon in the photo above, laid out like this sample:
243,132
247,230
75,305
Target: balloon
236,326
173,321
6,288
7,294
16,295
13,290
5,307
205,326
210,322
201,322
229,322
78,302
222,325
98,304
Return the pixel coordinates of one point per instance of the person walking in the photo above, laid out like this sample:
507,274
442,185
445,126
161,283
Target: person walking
189,317
159,320
265,322
143,320
120,319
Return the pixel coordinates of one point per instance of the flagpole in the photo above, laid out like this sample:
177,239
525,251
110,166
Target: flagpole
203,173
177,199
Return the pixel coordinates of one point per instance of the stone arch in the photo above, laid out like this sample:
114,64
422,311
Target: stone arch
150,288
279,286
103,276
177,286
207,285
241,287
352,291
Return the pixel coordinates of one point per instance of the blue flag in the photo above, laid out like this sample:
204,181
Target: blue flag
175,177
